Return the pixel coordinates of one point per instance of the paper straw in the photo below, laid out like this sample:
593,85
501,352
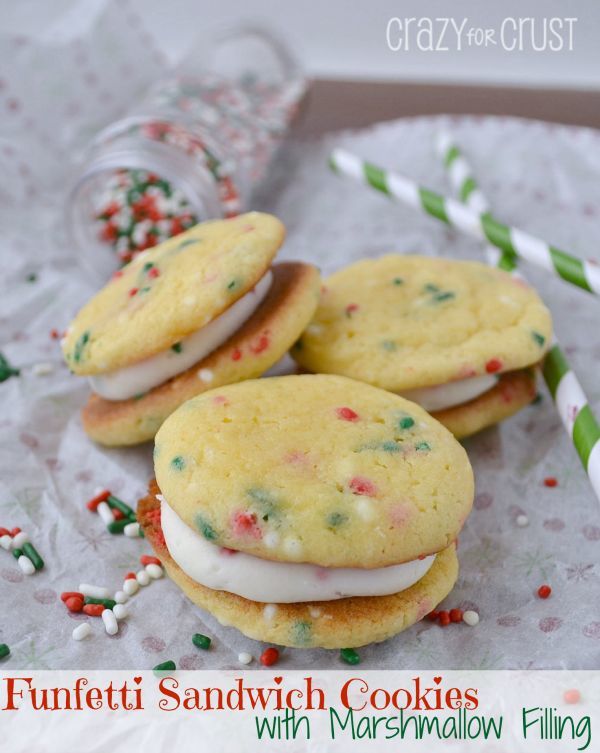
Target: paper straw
513,242
568,395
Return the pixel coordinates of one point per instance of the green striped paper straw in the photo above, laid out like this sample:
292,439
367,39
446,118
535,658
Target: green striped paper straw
513,242
568,395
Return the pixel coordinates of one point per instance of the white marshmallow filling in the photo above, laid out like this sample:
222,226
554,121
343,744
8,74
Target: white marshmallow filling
142,376
453,393
268,581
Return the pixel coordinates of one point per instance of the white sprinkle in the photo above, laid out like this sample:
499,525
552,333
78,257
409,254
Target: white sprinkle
206,375
42,369
142,578
121,597
110,622
154,571
20,539
105,513
315,612
94,592
81,631
6,542
470,618
26,565
522,521
132,530
365,509
293,547
271,539
120,611
131,586
245,658
269,611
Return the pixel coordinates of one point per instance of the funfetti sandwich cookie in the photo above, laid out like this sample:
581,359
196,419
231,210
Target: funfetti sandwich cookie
203,309
456,337
308,510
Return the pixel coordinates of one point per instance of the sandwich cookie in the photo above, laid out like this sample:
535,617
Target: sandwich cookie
203,309
456,337
308,510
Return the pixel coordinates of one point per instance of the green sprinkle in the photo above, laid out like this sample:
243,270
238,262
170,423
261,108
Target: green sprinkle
390,446
31,277
431,288
537,399
4,650
140,395
206,529
233,285
398,281
16,553
438,297
164,666
6,370
336,519
108,603
302,633
178,463
144,290
350,656
148,266
422,446
30,551
389,345
406,422
118,526
118,504
539,339
201,641
80,346
177,347
188,242
265,500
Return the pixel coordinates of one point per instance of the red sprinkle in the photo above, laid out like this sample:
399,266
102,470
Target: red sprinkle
544,591
362,486
236,354
493,365
351,308
74,604
260,345
95,501
456,615
269,657
94,610
154,272
129,576
4,532
346,414
432,616
15,531
147,559
444,618
55,334
118,514
132,292
551,482
69,594
245,524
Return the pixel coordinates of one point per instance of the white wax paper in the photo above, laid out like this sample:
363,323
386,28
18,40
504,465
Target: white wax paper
541,177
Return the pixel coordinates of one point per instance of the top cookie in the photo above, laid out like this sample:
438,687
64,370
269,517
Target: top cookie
402,322
170,291
314,468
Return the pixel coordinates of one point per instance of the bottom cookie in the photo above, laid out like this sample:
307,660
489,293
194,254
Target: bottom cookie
514,391
345,623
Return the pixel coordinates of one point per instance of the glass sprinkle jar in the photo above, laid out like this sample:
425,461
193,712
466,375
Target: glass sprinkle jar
193,149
